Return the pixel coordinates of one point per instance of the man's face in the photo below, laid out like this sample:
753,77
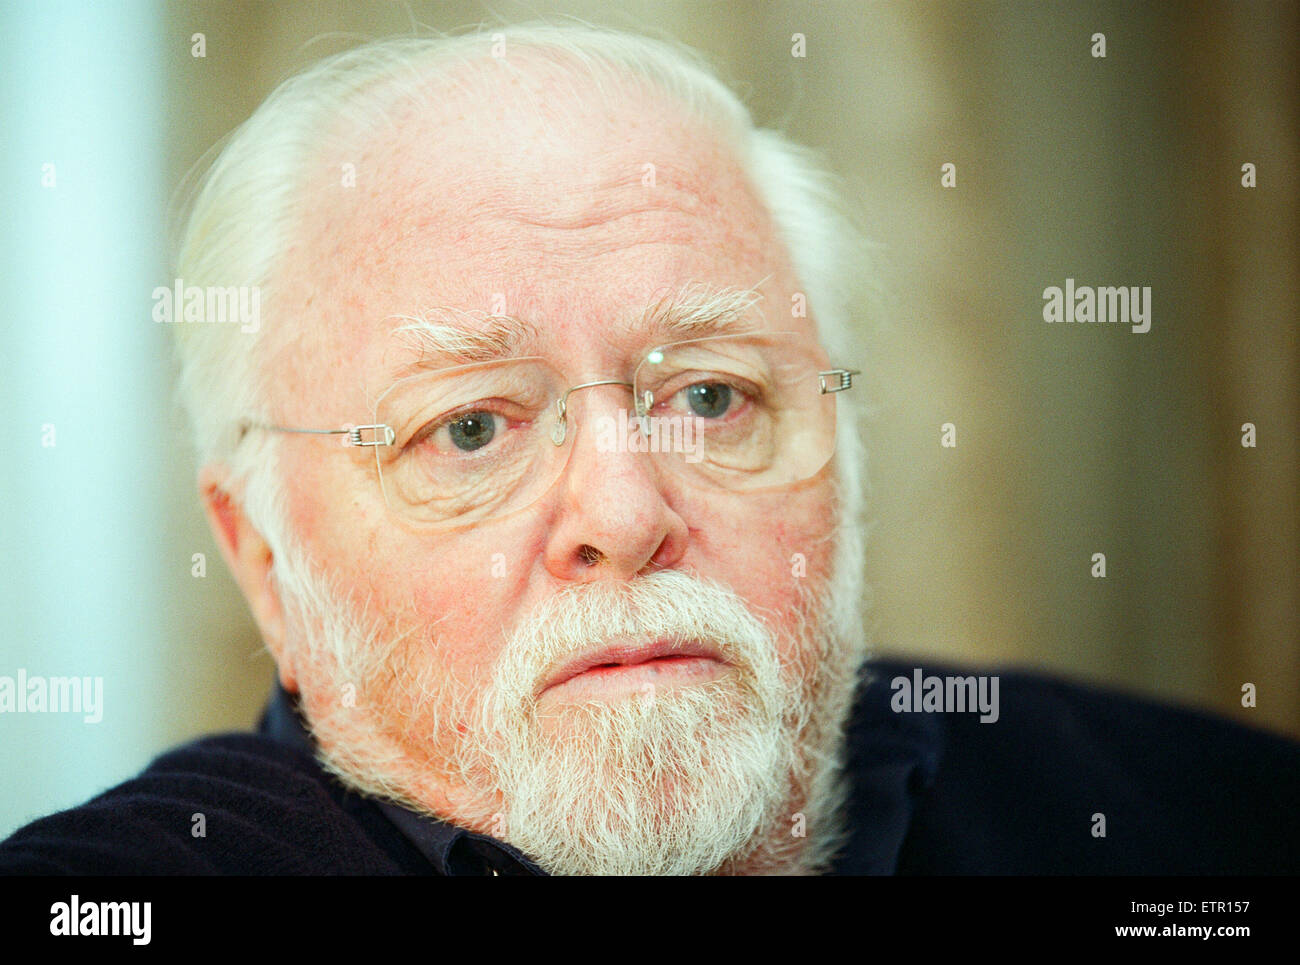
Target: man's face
550,209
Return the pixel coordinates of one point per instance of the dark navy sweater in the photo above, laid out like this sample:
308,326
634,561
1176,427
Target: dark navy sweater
1177,792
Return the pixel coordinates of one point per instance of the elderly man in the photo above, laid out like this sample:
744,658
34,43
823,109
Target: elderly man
542,481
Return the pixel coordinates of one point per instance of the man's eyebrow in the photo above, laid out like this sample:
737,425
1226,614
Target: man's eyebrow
698,311
443,339
446,337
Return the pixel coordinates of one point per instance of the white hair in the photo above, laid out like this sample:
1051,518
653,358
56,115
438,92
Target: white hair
243,210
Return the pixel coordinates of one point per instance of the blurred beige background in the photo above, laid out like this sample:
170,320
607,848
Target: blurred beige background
1072,440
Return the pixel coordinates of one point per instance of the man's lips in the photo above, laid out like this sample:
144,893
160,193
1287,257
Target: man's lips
628,663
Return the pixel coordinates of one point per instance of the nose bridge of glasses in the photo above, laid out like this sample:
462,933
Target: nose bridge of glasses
561,428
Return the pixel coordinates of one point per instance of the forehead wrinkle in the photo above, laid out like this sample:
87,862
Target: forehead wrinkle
506,221
592,206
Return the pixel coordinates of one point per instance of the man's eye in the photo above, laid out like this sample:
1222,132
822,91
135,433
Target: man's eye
465,432
709,400
472,430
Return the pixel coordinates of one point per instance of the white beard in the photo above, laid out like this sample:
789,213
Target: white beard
726,776
654,782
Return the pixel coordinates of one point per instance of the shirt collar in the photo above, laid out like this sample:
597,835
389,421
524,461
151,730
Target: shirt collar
451,850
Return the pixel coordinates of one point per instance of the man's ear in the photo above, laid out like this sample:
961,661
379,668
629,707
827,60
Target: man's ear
249,557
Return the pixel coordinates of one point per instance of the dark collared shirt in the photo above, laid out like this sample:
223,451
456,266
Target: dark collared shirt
449,849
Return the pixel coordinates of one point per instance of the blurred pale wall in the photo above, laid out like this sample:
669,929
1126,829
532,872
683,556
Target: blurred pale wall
1071,440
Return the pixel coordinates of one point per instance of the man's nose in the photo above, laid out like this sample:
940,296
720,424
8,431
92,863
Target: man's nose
614,520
